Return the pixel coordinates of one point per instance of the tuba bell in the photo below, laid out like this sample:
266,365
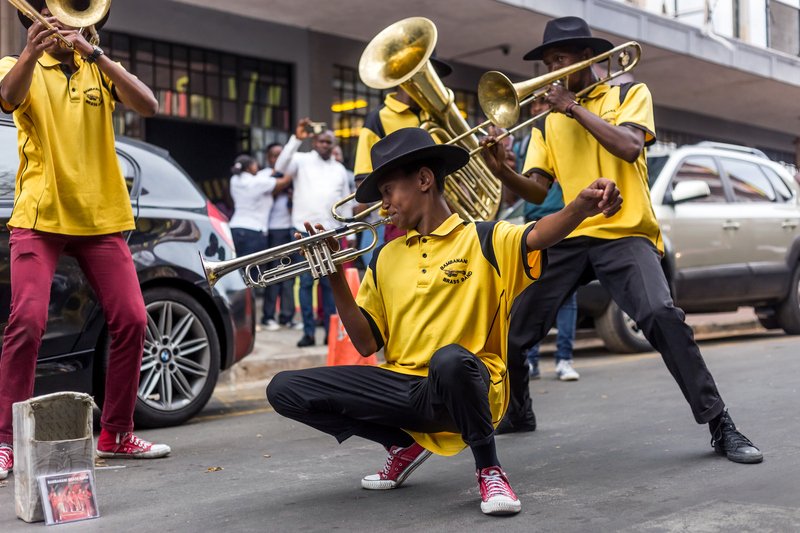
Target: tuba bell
399,55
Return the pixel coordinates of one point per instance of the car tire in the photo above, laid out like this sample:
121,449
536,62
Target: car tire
164,406
788,312
619,332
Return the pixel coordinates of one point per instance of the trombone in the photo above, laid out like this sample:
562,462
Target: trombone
319,260
500,99
73,13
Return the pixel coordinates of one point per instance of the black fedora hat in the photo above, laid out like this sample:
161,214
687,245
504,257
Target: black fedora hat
442,67
568,31
38,5
401,148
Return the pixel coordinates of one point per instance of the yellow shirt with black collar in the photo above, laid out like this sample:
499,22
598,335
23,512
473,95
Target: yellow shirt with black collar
69,180
388,118
454,286
568,152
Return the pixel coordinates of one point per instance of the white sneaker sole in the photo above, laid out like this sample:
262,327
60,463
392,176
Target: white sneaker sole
4,473
501,508
569,378
387,484
152,454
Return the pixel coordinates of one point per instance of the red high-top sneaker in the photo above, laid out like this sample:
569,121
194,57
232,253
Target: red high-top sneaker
128,446
399,464
498,498
6,460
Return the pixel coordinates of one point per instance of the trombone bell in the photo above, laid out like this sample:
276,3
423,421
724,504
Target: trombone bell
499,99
79,13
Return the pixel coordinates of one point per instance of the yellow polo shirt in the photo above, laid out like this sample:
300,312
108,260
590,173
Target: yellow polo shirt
568,152
69,180
454,286
388,118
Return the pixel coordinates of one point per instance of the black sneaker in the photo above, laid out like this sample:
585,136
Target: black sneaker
508,425
726,440
307,340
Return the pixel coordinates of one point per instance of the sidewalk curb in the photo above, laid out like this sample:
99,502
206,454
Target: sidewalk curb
261,368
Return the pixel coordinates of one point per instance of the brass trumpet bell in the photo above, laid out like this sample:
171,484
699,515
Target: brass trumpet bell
79,13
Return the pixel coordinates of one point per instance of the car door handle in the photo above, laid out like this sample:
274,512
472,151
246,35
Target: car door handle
791,224
731,225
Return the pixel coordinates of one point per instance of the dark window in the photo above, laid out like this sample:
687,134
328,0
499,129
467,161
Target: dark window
9,162
202,85
704,169
777,182
352,101
654,167
749,184
164,184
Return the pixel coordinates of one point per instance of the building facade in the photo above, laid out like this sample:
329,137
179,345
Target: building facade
234,77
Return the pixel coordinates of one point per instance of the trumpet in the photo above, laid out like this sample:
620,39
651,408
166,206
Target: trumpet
319,261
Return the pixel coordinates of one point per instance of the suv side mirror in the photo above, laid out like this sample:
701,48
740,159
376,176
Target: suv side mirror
688,190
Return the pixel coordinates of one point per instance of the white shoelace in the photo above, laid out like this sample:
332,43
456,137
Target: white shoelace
5,454
495,486
134,440
388,466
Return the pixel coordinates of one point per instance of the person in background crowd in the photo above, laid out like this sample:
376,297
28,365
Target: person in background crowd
319,182
252,200
279,232
338,155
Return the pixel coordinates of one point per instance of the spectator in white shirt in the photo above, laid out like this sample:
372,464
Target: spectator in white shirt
280,232
319,182
252,202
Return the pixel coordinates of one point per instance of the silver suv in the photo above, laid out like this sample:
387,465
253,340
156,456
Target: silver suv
729,217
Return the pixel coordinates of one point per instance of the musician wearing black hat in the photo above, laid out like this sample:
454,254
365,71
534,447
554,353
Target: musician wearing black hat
605,134
437,302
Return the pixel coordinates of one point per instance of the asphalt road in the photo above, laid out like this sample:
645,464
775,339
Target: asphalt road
616,451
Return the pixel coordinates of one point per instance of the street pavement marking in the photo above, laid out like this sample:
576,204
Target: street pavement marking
228,415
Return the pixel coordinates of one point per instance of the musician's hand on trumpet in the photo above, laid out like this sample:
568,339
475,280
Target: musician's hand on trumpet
332,243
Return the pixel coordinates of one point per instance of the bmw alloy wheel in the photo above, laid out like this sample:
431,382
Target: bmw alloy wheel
177,357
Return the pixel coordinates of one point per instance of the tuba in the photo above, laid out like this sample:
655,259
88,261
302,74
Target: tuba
399,56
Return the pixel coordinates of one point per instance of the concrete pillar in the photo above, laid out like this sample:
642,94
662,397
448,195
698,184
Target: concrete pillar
12,33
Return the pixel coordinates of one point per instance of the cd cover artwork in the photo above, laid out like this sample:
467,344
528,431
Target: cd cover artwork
68,497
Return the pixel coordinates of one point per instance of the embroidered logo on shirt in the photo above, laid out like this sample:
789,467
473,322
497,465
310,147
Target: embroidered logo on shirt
454,276
93,97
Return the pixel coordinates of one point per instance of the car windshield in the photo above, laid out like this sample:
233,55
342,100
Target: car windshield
654,166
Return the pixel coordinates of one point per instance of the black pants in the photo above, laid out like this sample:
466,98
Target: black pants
630,269
374,403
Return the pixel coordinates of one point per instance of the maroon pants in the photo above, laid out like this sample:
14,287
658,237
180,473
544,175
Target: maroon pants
107,264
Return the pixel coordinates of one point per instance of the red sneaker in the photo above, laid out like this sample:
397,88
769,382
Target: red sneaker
498,498
399,464
6,460
128,446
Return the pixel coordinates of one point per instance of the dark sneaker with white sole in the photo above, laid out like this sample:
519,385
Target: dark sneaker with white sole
727,440
399,464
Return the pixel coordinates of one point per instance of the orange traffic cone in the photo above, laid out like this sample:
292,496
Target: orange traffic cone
340,350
